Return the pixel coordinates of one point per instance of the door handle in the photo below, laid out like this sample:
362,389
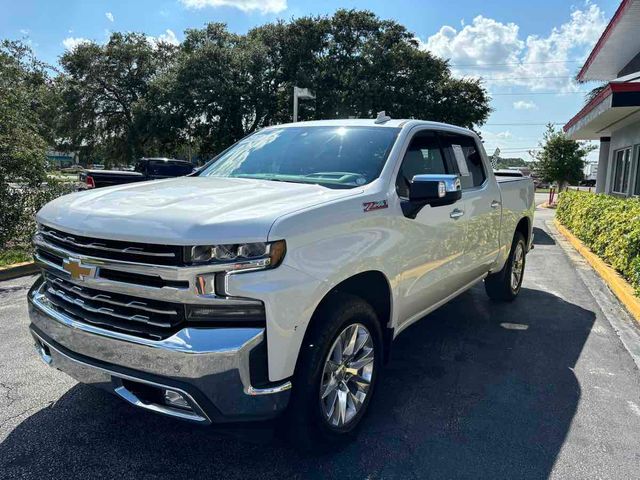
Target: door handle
456,213
495,204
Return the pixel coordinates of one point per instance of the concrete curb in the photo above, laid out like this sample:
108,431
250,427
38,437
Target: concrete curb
618,285
17,270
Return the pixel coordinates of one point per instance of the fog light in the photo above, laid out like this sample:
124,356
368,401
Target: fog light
249,314
175,399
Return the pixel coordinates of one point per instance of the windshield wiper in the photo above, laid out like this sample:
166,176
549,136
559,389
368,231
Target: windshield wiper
288,180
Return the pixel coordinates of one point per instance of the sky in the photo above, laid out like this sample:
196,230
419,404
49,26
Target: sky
526,52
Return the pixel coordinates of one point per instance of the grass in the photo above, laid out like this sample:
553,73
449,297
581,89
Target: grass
14,255
542,190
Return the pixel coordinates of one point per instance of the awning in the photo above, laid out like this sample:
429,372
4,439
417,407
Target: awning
616,106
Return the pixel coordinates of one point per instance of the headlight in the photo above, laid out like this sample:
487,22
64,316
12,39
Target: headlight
244,256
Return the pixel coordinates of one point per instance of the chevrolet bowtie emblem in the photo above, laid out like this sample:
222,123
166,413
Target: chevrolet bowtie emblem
77,270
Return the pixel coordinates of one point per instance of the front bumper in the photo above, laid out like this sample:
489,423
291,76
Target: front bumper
209,367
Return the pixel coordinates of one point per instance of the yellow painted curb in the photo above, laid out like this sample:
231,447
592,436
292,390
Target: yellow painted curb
618,285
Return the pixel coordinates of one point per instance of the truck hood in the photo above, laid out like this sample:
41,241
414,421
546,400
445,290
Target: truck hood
186,210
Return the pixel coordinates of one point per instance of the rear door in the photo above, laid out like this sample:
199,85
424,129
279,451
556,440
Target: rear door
433,242
481,198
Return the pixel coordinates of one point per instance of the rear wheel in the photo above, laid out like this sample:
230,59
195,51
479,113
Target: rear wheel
505,284
336,375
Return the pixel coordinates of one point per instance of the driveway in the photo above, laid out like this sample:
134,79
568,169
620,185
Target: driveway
543,387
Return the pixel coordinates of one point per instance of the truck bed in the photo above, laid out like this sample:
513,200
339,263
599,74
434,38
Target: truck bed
517,201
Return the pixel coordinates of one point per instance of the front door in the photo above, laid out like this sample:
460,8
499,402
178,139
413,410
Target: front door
433,242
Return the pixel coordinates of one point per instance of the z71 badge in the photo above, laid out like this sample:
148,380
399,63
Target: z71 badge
371,206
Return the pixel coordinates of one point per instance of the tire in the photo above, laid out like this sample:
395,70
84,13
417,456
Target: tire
310,425
505,285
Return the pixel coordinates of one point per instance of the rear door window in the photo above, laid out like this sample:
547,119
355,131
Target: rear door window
464,153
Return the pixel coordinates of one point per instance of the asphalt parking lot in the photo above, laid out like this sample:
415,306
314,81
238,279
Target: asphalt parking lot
540,388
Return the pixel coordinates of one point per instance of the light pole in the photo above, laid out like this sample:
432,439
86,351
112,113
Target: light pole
302,94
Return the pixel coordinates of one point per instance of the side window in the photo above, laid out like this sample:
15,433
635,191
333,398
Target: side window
464,153
636,188
424,156
621,169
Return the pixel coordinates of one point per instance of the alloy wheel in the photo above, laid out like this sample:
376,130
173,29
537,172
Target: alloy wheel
518,267
346,377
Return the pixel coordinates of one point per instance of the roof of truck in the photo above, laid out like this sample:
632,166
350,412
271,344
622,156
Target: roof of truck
368,122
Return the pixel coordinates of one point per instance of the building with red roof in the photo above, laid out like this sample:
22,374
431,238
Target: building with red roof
613,116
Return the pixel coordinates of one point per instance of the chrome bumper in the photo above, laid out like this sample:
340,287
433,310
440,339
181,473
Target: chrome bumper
209,367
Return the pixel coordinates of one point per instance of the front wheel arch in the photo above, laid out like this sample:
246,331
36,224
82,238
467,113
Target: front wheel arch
373,287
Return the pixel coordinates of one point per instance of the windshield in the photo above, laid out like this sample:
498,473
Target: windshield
336,157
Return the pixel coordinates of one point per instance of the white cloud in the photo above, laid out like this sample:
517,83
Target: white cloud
524,105
263,6
504,135
484,41
71,43
498,52
168,37
109,16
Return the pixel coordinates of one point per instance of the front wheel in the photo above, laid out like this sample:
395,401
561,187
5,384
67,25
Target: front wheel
505,284
337,373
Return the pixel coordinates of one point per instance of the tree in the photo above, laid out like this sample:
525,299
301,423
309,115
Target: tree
224,86
23,89
511,162
133,97
26,100
102,87
594,92
560,159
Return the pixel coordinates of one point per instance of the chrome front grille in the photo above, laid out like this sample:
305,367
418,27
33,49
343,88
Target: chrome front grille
149,318
144,299
114,249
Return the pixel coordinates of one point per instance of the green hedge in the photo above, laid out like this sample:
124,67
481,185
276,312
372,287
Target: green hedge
609,226
19,205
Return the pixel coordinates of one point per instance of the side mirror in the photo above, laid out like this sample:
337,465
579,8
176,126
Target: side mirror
434,190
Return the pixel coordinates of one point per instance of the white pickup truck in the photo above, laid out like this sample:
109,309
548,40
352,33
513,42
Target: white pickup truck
276,279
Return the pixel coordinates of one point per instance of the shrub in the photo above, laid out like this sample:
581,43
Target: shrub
609,226
20,203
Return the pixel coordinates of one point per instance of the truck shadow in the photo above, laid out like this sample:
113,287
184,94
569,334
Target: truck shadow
475,390
540,237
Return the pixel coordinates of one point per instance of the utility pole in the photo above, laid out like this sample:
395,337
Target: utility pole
302,94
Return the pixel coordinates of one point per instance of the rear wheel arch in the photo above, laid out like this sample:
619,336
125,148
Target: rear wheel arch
524,227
